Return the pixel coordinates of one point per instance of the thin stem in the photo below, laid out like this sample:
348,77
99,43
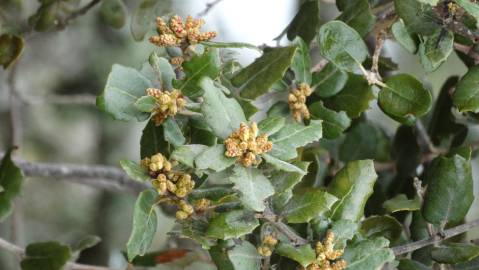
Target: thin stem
105,177
77,13
20,252
209,7
435,239
381,37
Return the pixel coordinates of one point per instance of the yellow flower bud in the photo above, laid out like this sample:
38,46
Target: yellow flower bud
181,215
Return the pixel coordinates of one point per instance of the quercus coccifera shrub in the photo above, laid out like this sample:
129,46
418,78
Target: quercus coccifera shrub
279,165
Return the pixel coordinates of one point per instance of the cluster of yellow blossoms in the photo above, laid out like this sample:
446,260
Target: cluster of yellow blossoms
267,246
297,102
246,144
327,258
179,34
167,103
168,182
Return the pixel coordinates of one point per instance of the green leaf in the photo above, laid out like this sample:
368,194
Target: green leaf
11,178
418,17
453,253
235,45
222,114
292,136
304,254
195,229
450,190
403,37
113,13
407,264
470,265
135,171
123,88
301,64
354,98
199,66
435,49
430,2
469,7
214,158
283,181
232,224
45,256
334,123
187,154
213,193
86,242
358,15
258,78
466,95
305,23
145,223
172,132
282,165
163,70
253,186
244,256
353,185
145,104
385,226
404,98
329,81
248,108
365,141
11,47
143,18
344,230
401,203
342,45
307,205
152,141
271,125
368,254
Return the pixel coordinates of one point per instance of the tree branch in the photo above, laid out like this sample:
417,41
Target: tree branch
209,7
80,99
20,252
77,13
105,177
404,249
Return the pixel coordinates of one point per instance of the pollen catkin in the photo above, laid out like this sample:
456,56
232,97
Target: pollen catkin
297,102
168,103
246,144
267,246
170,184
326,257
202,204
179,34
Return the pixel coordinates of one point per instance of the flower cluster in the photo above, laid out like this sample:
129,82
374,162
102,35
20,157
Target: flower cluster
167,103
179,34
267,246
246,144
170,183
326,257
202,204
297,102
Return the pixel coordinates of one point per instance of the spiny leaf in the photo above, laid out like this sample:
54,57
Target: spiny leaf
307,205
353,185
172,132
145,223
214,158
435,49
334,123
329,81
186,154
304,254
403,37
358,15
305,23
253,185
232,224
282,165
301,65
11,178
368,254
401,203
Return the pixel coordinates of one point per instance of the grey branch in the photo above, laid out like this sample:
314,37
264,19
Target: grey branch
404,249
20,252
79,99
105,177
208,8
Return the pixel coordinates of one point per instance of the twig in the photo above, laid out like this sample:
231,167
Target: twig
381,37
274,220
20,252
319,66
467,51
106,177
208,8
80,99
77,13
266,263
404,249
425,138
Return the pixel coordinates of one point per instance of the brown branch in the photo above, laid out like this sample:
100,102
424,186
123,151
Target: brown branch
469,51
381,37
209,7
435,239
105,177
20,252
269,216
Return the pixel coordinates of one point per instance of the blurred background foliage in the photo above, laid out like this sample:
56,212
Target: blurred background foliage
76,60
